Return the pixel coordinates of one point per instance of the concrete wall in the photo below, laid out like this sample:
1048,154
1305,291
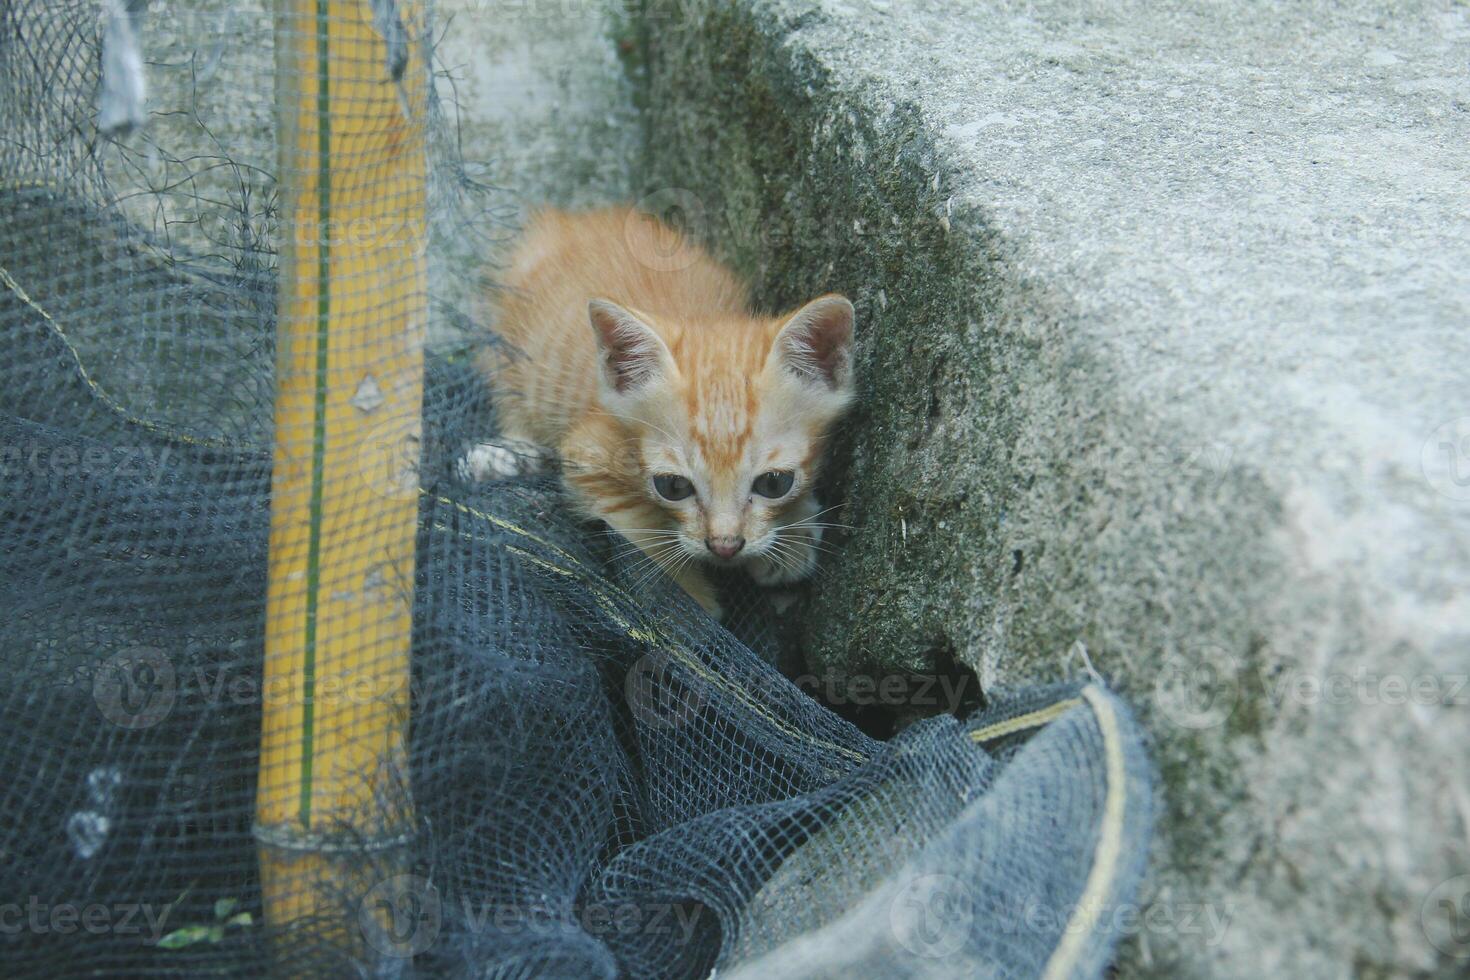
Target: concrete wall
1164,319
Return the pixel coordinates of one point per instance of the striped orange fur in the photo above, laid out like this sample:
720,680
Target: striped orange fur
637,358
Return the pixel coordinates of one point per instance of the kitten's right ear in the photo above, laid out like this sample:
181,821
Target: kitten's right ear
816,343
630,352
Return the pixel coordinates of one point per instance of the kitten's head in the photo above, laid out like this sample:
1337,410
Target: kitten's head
729,417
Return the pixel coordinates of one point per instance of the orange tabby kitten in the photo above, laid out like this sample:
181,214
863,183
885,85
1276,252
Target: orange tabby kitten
691,425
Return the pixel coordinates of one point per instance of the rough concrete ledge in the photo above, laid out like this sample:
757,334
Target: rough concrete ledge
1165,338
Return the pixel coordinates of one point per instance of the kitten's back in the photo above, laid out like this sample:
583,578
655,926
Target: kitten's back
547,378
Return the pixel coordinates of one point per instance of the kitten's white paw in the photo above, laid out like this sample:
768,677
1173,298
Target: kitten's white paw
500,461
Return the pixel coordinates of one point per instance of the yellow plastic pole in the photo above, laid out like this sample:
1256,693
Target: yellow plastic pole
333,810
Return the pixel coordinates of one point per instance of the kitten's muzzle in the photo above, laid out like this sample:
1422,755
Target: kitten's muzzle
726,548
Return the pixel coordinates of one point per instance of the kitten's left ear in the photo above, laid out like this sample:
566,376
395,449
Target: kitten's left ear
816,343
632,354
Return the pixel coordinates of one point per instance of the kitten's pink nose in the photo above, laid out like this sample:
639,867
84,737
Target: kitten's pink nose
725,547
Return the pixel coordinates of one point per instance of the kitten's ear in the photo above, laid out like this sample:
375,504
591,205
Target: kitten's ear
816,343
631,354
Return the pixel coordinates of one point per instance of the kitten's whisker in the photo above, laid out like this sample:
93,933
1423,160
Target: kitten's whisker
637,534
654,555
821,546
633,556
782,554
798,561
651,533
652,578
659,556
815,518
647,578
786,561
660,564
639,566
647,553
646,541
789,542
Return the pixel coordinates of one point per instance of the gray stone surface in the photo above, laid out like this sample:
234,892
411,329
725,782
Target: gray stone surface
546,108
1165,315
541,111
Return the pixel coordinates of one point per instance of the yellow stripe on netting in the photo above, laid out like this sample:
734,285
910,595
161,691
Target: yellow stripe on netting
605,593
110,403
1104,870
605,599
670,645
499,522
352,317
1021,723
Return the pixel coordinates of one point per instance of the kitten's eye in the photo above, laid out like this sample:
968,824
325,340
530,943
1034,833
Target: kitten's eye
670,486
774,484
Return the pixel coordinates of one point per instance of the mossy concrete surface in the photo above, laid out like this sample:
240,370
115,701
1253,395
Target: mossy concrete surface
1165,339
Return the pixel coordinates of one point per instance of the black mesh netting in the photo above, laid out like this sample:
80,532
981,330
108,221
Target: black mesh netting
597,780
